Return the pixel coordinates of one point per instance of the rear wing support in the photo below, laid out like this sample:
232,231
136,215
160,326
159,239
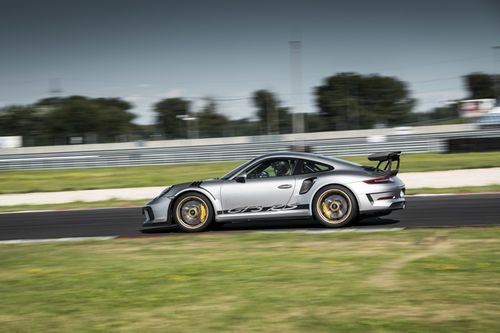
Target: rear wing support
388,158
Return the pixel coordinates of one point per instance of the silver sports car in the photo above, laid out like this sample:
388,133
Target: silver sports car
284,185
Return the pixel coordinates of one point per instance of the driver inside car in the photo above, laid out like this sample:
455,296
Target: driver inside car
277,168
281,168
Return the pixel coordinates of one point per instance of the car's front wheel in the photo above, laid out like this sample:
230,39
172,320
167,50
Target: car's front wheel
335,206
193,212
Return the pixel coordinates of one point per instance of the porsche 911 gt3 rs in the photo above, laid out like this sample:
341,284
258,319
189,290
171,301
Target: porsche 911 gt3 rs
289,185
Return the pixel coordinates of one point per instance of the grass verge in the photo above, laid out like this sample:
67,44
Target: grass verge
158,175
409,281
27,181
440,161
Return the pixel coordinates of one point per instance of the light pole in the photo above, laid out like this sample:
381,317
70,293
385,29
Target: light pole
295,84
496,77
188,119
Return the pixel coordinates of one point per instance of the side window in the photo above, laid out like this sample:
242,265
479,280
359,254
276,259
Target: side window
306,166
273,168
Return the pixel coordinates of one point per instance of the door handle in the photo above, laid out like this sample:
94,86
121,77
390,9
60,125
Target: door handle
285,186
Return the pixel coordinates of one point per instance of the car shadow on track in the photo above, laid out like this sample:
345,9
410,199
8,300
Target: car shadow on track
274,225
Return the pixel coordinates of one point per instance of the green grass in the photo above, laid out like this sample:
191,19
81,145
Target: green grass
439,162
159,175
102,178
410,281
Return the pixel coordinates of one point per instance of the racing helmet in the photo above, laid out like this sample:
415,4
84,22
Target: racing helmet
281,168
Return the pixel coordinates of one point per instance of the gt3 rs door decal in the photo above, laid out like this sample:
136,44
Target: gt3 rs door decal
259,209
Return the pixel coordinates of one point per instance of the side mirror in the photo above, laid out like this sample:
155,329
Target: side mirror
241,178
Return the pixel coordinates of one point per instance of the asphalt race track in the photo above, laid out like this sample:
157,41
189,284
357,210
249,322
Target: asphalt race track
431,211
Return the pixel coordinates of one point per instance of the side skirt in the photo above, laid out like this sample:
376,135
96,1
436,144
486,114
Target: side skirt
285,214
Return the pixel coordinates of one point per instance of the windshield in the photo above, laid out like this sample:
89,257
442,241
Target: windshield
237,170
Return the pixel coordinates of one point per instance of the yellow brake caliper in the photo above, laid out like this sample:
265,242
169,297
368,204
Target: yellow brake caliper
203,213
325,209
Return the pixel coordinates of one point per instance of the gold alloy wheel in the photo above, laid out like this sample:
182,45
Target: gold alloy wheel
192,212
334,206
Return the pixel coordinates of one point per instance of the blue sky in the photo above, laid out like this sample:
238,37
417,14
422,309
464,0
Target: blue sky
144,51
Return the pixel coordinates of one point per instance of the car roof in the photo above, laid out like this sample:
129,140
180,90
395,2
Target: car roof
291,154
310,156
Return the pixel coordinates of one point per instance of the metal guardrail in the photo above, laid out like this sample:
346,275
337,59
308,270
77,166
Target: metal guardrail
411,143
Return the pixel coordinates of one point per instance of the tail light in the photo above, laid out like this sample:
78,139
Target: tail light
380,180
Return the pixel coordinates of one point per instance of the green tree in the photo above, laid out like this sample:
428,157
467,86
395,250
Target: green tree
168,113
74,116
210,123
266,105
285,120
244,127
446,112
314,122
115,121
94,119
353,101
480,85
273,117
26,121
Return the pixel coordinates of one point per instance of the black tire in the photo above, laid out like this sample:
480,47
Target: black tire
334,206
193,212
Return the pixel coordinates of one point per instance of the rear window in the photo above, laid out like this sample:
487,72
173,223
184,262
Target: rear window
306,166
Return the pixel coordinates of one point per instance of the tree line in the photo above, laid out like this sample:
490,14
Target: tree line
345,101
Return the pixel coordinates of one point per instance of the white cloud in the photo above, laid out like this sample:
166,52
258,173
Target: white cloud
134,98
176,92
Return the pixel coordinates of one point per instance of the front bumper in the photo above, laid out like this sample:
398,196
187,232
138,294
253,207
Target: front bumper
157,212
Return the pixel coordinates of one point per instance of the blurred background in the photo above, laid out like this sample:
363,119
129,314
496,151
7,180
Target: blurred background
104,103
92,72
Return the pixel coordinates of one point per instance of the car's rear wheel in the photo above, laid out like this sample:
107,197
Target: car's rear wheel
335,206
193,212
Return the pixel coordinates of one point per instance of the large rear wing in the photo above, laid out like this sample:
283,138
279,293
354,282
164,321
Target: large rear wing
388,159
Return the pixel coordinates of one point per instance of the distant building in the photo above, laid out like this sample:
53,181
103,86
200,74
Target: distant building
11,141
476,107
491,119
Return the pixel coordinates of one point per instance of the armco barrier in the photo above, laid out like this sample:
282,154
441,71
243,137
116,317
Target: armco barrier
467,145
340,146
